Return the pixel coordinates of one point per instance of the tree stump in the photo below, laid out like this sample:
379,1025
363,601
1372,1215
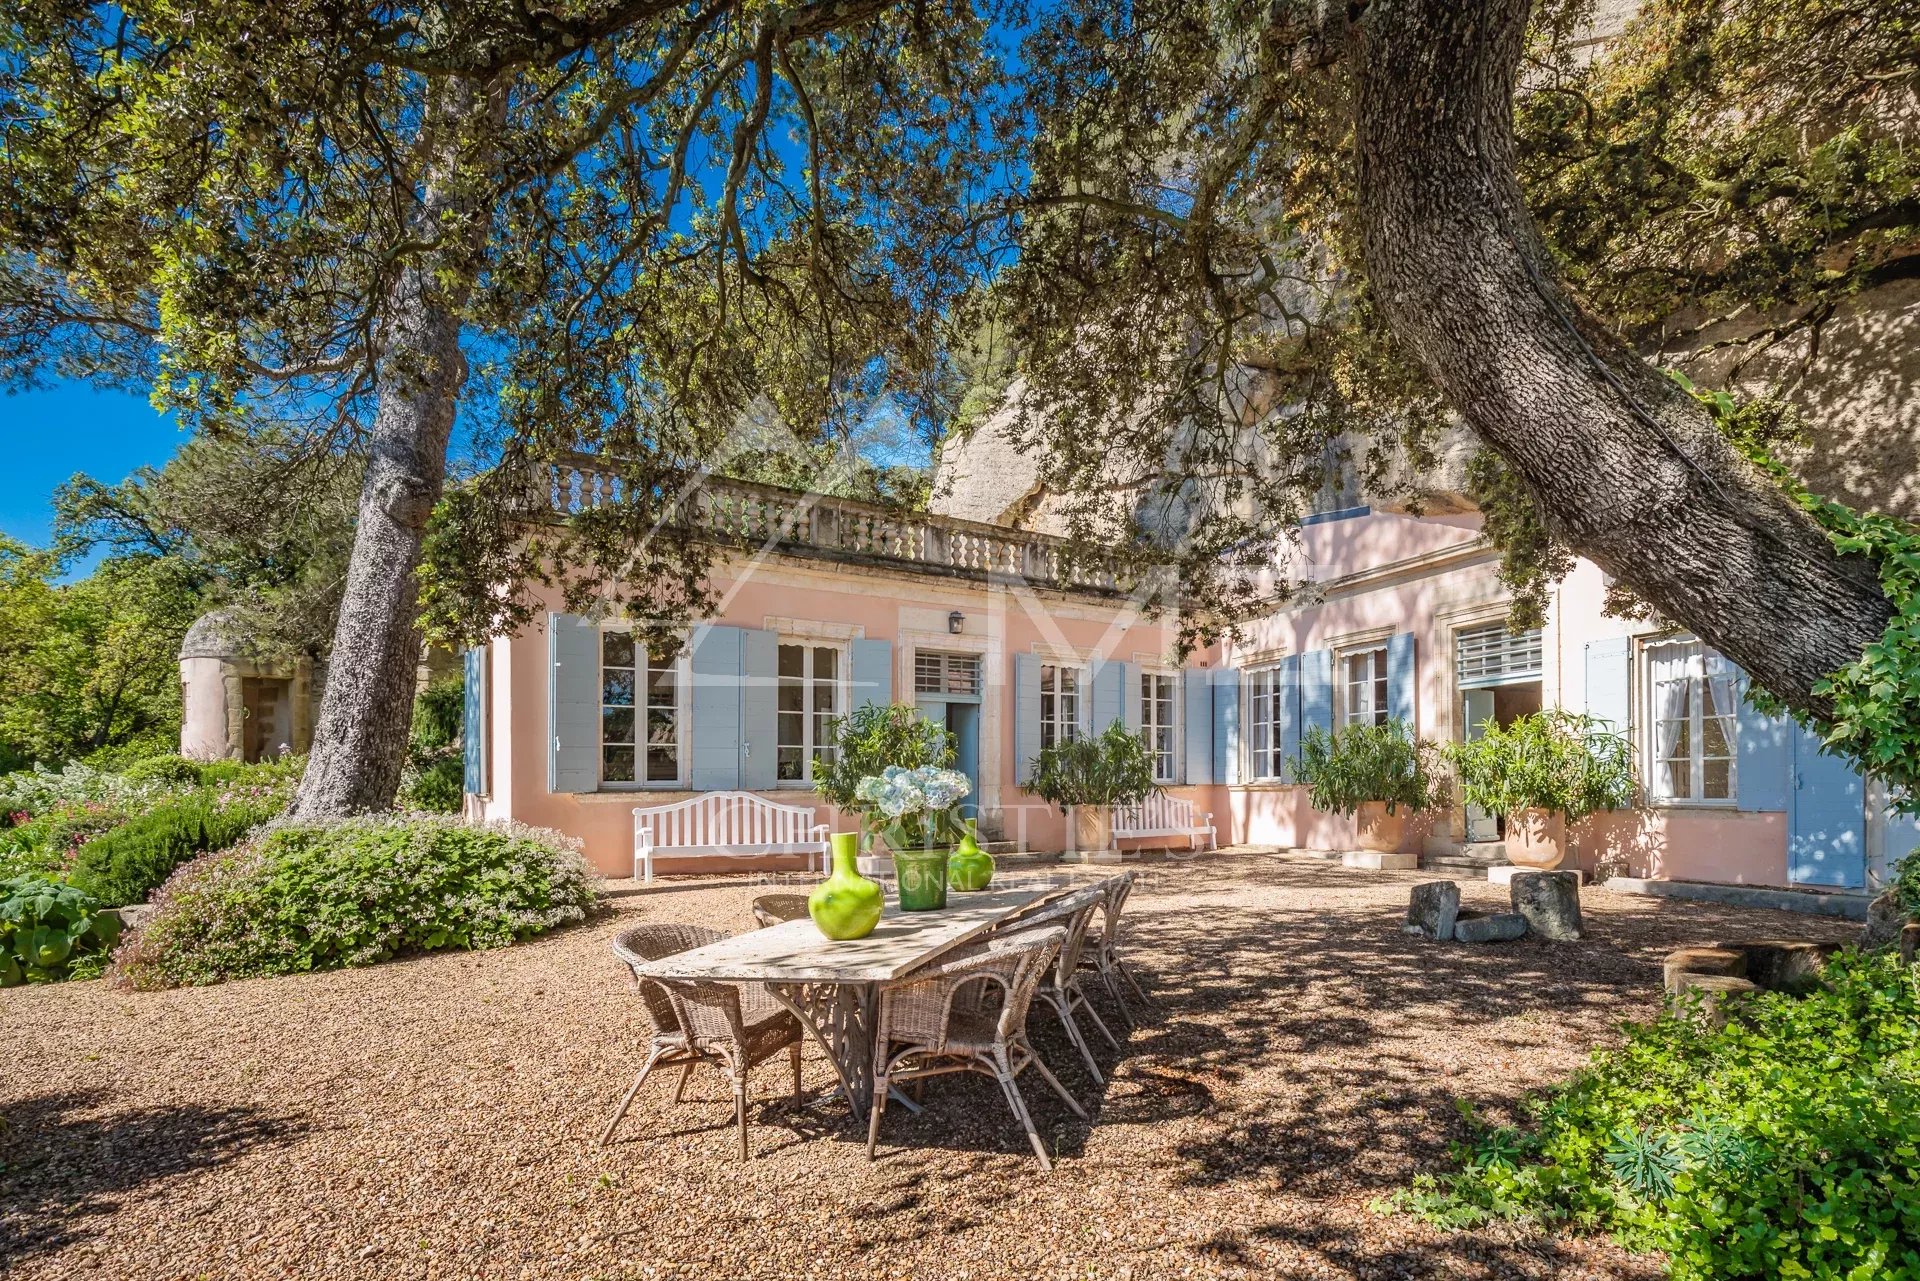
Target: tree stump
1551,903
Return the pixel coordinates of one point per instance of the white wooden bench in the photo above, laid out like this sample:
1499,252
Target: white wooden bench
1162,815
725,824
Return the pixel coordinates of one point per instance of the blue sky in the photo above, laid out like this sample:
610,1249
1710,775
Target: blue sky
69,427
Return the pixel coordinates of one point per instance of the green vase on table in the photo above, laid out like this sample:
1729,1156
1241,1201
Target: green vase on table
969,868
846,905
922,876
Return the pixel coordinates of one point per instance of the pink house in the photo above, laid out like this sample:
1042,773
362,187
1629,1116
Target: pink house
828,603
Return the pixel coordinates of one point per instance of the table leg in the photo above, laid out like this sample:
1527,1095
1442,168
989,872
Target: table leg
841,1018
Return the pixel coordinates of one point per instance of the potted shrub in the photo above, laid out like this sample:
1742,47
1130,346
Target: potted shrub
1086,777
866,741
1544,772
1373,773
913,810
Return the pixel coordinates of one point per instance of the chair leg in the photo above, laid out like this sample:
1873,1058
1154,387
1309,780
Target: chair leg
1112,980
1062,1004
881,1088
1004,1074
1059,1089
793,1053
653,1057
740,1111
686,1074
1126,972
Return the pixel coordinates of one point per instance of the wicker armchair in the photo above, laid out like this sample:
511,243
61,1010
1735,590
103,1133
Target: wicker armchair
1102,953
733,1027
778,909
928,1027
1061,987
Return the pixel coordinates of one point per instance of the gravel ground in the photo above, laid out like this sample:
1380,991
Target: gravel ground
436,1118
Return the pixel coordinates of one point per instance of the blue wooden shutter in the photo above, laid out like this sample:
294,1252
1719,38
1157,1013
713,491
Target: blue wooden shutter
1763,775
473,723
1130,694
871,662
759,727
1026,716
1289,717
1826,832
1227,765
714,720
1108,695
1400,677
573,704
1316,690
1610,682
1197,722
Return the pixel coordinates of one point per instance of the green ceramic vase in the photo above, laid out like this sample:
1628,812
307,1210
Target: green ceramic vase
846,905
923,879
969,867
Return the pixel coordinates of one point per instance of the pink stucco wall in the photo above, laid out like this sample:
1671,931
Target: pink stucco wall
908,611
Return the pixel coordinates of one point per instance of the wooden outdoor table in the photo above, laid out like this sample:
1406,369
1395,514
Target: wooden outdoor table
832,987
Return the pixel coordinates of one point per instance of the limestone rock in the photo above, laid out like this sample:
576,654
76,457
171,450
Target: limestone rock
1489,927
1689,963
1432,909
1885,918
1550,901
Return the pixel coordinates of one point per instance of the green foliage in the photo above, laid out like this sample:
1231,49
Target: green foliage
1361,763
1113,767
1552,760
1780,1141
167,771
434,777
128,863
91,663
306,897
872,737
50,931
1905,884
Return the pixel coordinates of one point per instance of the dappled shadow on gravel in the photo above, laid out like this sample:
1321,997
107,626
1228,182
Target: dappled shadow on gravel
65,1164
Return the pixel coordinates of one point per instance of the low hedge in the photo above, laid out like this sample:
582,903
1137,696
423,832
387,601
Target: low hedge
303,897
128,863
1781,1140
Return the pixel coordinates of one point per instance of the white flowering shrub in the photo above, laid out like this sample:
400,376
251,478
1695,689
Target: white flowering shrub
303,897
914,807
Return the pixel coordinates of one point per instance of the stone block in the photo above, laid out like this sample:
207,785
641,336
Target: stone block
1432,908
1489,927
1550,902
1721,962
1885,921
1379,860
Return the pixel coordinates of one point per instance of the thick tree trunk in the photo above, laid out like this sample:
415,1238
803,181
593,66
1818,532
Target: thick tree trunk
360,740
1629,471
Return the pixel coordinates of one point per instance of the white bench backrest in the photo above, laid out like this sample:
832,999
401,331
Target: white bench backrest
725,818
1157,811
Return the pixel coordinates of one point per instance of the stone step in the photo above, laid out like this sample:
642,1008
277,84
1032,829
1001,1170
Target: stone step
1472,868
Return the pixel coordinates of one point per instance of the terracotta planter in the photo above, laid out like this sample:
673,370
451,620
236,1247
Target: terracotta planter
1536,838
1380,831
1092,830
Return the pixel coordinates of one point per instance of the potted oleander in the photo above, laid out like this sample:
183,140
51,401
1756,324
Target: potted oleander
1373,774
865,742
1544,773
1086,777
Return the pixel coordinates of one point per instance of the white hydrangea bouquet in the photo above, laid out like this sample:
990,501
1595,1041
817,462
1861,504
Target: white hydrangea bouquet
914,808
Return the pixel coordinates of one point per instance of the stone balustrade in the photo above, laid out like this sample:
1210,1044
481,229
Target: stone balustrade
766,517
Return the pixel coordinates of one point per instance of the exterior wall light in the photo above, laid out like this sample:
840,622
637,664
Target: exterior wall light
956,622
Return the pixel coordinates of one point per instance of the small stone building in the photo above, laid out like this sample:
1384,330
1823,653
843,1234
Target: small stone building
237,705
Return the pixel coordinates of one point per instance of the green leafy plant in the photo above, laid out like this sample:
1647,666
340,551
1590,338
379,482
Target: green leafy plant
50,931
1113,767
1552,760
1777,1139
168,771
128,863
869,739
1906,884
1349,767
306,897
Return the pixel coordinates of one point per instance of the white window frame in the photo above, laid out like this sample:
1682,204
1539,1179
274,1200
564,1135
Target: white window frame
1053,727
947,660
842,690
1376,708
682,713
1648,706
1266,762
1150,726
